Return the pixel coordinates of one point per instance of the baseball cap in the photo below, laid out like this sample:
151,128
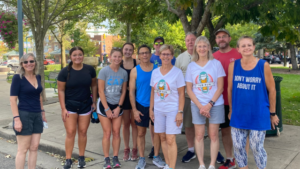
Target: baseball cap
159,37
222,30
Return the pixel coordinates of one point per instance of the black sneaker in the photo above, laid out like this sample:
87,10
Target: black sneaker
151,153
81,162
188,157
220,158
107,164
68,164
116,163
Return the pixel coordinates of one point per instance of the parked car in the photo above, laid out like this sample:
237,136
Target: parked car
297,57
12,63
48,62
272,59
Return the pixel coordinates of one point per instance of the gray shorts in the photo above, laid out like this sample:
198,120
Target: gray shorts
217,115
32,123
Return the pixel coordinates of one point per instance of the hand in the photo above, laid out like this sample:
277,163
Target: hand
44,116
229,115
205,110
179,119
137,115
274,121
18,124
94,107
64,114
151,114
109,114
116,112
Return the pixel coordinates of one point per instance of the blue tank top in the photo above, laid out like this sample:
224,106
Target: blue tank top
143,88
250,101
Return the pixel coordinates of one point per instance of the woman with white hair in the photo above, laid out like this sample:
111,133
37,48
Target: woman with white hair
29,113
204,81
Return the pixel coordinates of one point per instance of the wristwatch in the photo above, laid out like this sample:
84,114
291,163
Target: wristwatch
106,109
212,102
180,111
120,106
272,114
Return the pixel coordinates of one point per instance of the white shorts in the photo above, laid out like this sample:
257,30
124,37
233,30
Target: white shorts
98,108
83,114
164,122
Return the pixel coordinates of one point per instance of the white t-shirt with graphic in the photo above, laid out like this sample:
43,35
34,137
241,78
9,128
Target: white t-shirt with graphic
205,80
166,97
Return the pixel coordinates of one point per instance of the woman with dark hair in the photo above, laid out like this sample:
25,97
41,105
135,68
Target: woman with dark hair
74,91
112,84
29,113
127,64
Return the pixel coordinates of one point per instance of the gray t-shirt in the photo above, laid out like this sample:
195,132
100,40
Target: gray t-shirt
113,83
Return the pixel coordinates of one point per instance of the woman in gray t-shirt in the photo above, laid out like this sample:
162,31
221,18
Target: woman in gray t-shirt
112,84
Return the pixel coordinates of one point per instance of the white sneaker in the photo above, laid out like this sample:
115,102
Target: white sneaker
166,166
202,167
211,167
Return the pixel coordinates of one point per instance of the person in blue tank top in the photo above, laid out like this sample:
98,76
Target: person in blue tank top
139,93
252,99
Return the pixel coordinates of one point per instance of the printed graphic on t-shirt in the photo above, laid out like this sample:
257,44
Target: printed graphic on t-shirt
204,82
247,83
114,84
157,63
232,59
162,89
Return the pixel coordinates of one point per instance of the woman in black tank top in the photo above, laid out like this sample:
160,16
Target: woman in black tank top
127,64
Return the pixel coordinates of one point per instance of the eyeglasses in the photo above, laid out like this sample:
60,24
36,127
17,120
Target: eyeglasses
222,37
159,43
31,61
144,53
166,55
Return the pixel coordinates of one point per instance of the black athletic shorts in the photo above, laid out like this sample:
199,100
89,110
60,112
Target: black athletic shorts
32,123
111,106
126,103
227,121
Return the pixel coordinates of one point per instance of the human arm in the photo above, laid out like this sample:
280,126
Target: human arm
132,88
270,84
229,89
179,116
43,110
151,108
101,86
61,87
116,111
94,93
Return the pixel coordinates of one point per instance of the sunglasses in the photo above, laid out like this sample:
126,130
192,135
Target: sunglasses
31,61
159,43
117,48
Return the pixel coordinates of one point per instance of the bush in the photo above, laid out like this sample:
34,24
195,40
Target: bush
56,67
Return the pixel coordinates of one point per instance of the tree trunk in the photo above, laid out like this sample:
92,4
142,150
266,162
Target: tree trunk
63,50
39,42
293,56
128,32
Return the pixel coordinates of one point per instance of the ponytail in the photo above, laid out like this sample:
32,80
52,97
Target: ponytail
69,68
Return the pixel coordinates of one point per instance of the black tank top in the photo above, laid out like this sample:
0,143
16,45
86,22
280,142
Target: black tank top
128,70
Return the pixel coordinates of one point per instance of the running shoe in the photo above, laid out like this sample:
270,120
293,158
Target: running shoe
141,164
134,155
107,164
188,157
159,162
166,167
228,164
211,167
68,164
202,167
81,162
151,153
116,163
220,158
126,156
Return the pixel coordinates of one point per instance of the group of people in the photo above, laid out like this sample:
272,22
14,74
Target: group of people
230,89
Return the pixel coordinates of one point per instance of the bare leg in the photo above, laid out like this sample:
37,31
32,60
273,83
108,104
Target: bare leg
70,125
34,145
141,140
116,126
23,146
126,127
227,142
164,146
199,142
157,142
106,124
133,130
190,136
172,150
83,125
214,142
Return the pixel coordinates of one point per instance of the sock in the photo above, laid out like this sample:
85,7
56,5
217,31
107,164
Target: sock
202,165
231,159
191,149
154,156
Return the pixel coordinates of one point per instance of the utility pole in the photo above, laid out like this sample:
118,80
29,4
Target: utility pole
20,28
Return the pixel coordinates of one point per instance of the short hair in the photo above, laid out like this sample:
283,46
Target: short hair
21,70
191,33
195,54
245,37
166,47
144,46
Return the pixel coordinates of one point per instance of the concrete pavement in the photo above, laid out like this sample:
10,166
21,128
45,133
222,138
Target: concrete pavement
283,151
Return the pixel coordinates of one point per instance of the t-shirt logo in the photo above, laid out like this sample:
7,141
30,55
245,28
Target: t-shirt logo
157,63
204,82
162,89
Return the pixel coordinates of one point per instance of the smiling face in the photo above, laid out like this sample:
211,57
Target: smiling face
77,57
156,47
166,57
190,42
222,40
116,58
246,47
144,55
202,49
128,51
30,66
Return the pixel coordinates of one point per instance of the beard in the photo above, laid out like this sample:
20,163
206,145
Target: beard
223,45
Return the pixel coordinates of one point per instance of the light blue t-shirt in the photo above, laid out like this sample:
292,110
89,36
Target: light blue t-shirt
157,61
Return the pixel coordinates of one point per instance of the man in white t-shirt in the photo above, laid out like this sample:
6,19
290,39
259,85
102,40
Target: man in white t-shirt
182,61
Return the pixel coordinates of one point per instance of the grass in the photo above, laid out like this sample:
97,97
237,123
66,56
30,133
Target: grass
290,98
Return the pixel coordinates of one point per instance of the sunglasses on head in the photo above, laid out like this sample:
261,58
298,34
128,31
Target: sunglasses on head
117,48
159,43
31,61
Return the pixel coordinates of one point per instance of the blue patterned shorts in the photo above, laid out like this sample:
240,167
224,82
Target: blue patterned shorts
256,138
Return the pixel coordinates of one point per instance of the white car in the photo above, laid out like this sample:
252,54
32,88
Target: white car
12,63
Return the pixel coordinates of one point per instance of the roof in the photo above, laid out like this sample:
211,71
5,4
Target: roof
11,53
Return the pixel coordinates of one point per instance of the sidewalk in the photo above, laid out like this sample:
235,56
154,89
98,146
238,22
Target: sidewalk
283,151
